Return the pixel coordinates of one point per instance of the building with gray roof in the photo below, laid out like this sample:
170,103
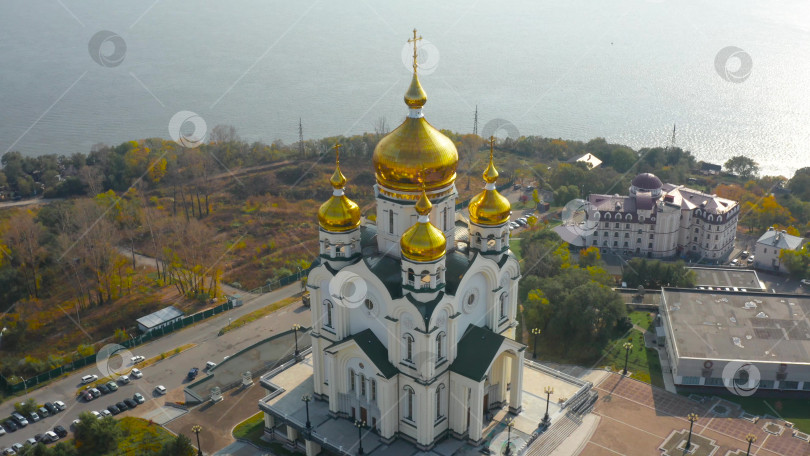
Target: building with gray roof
159,319
769,248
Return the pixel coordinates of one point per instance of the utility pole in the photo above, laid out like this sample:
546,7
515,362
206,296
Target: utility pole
475,122
300,138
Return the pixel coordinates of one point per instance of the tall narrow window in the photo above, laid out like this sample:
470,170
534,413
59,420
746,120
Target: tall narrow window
439,401
373,390
362,385
409,402
410,277
328,310
440,346
444,219
503,304
408,348
351,380
390,222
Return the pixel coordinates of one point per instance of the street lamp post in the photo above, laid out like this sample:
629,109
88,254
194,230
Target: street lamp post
509,423
548,390
306,398
536,332
295,328
196,429
627,346
692,417
359,425
750,438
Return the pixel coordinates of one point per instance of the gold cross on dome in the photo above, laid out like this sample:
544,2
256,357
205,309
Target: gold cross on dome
491,146
414,40
337,152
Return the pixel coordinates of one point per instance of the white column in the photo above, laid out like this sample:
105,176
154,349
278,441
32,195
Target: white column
292,434
476,412
333,384
516,393
313,449
269,421
317,365
388,402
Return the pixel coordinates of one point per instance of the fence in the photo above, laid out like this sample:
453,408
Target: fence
10,388
280,282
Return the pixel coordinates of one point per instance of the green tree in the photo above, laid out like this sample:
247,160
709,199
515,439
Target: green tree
799,185
565,193
797,262
742,166
178,446
25,408
654,274
97,436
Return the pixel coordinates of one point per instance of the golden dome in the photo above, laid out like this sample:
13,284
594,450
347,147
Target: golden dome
490,207
423,241
414,147
339,213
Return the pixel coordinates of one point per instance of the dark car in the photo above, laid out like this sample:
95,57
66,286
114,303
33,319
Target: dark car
114,410
51,408
193,373
60,431
104,388
38,437
121,406
130,403
10,425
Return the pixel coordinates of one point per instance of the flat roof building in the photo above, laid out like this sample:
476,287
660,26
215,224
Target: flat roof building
712,335
163,317
735,279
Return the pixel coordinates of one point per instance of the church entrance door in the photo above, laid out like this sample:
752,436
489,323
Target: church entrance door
486,403
363,415
354,417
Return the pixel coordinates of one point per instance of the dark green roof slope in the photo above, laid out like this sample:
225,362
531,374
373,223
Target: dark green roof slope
375,351
457,265
426,308
476,351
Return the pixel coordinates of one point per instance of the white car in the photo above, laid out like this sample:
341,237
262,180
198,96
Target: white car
96,414
160,389
137,359
2,430
105,412
60,405
136,373
89,379
735,262
50,436
124,379
210,365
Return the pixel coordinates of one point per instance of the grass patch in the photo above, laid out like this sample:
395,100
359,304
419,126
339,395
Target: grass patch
141,436
514,246
642,319
252,429
259,313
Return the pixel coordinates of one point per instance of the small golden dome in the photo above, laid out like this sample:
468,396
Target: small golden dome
423,241
339,213
415,97
490,207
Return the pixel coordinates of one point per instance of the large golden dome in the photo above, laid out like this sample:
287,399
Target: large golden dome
414,147
423,241
339,213
490,207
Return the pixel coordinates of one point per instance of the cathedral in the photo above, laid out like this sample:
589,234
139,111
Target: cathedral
414,313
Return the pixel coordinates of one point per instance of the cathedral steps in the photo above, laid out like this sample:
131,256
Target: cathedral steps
552,438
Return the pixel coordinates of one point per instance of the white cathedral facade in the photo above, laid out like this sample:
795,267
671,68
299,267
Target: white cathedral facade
414,315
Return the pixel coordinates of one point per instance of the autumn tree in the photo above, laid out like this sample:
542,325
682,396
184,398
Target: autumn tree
25,237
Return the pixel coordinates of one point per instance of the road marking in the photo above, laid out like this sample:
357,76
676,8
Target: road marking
606,448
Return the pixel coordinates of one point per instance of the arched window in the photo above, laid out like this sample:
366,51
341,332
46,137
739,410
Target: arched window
410,276
490,242
351,380
607,216
362,385
326,246
502,303
477,238
328,311
373,390
408,339
629,217
439,393
618,216
440,346
425,279
340,250
438,275
408,409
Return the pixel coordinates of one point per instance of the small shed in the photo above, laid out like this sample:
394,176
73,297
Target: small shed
161,318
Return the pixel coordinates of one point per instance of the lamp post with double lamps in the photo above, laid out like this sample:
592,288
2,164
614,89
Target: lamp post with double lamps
750,438
295,328
306,398
549,390
627,347
509,423
692,417
535,332
197,429
360,425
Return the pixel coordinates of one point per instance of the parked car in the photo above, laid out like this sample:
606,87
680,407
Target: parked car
89,379
9,451
104,388
52,410
138,397
805,282
60,405
88,396
193,373
38,437
751,259
49,437
210,365
96,414
124,379
2,430
136,373
17,447
10,425
137,359
60,431
33,417
112,386
160,389
32,441
43,412
20,420
75,423
735,262
113,409
130,403
105,412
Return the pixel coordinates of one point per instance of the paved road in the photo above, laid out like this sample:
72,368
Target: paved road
171,371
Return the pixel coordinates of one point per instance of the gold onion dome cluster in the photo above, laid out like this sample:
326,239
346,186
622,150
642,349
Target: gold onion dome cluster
339,213
415,147
423,241
490,207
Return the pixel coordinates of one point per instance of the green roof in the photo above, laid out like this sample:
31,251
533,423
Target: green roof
375,351
476,351
457,265
426,308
